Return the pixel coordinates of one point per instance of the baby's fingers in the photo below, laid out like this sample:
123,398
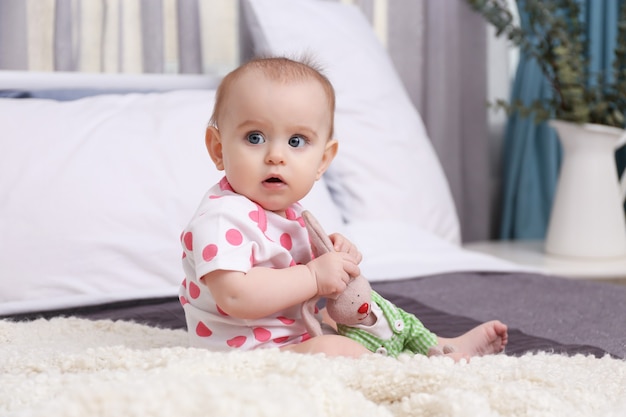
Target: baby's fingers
341,244
351,268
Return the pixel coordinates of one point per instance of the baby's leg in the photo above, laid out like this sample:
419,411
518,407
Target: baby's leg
331,345
485,339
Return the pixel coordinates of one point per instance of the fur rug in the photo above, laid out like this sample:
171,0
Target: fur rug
74,367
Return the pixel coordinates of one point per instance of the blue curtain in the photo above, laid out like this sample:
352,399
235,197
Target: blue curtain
532,153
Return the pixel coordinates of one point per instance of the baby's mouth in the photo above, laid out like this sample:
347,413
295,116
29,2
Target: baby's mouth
274,180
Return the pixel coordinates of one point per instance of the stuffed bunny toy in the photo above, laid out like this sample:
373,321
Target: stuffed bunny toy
365,316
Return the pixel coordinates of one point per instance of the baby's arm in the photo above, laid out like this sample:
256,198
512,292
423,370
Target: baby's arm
263,291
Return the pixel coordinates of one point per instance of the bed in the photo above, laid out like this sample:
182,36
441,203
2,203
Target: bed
99,174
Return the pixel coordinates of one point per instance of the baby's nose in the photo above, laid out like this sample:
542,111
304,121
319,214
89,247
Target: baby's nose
365,307
275,155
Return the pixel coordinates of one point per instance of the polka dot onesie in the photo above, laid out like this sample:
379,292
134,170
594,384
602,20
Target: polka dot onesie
231,232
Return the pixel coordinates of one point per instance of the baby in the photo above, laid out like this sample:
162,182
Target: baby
247,256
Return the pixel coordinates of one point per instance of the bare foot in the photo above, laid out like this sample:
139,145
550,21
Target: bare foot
485,339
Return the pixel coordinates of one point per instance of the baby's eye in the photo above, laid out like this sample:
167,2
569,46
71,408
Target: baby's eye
255,138
297,141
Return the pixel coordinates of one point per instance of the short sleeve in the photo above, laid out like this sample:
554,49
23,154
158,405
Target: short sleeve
232,233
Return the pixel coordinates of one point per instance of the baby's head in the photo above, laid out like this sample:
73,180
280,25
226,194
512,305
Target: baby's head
277,69
271,130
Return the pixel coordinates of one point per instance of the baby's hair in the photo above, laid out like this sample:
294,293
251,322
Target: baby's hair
278,69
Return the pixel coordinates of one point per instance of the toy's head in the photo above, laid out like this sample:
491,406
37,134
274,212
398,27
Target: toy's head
354,305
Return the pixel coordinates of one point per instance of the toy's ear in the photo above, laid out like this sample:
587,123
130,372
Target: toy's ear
308,316
320,242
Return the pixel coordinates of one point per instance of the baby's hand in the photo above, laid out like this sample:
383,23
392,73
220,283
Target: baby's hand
332,272
342,244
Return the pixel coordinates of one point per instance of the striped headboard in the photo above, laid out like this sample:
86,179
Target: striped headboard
132,36
152,36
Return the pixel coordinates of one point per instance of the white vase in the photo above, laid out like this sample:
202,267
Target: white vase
587,218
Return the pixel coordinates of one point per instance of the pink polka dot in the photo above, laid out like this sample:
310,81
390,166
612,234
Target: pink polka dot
234,237
209,252
292,263
290,214
194,290
286,320
184,283
236,341
202,330
188,240
183,300
222,312
306,337
281,339
214,197
225,185
285,241
261,334
259,217
254,216
184,255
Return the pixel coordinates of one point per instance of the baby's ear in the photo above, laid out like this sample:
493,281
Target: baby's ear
213,142
329,154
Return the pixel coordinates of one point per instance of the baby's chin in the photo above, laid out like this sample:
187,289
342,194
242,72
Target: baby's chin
279,209
278,206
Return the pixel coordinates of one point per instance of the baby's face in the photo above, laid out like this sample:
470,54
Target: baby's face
275,139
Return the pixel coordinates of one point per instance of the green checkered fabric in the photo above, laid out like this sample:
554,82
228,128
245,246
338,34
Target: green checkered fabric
409,334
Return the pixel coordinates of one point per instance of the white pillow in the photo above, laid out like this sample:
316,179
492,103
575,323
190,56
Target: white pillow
407,252
95,192
386,169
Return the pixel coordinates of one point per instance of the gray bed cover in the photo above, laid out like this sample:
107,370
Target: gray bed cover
544,313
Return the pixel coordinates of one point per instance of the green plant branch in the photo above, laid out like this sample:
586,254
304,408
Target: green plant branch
556,40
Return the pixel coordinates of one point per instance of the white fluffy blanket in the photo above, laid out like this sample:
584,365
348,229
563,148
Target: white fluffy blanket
73,367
